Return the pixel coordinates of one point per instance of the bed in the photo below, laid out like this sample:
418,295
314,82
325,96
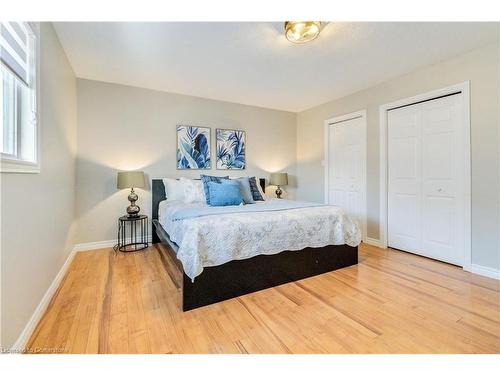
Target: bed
225,252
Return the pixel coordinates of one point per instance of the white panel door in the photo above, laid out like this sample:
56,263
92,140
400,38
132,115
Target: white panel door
346,167
426,175
404,178
443,211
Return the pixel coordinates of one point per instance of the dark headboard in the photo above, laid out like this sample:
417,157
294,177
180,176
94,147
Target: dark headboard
159,194
262,182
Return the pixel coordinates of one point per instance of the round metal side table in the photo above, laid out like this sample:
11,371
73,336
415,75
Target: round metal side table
132,233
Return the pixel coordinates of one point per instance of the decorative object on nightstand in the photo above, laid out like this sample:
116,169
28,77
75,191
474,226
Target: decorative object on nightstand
279,179
131,179
132,233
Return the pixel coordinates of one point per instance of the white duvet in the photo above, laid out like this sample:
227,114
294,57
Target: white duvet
216,239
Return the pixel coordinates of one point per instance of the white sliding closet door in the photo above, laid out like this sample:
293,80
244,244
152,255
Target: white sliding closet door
346,166
426,172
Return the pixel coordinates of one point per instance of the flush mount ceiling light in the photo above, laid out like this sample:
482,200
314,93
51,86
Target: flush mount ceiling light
302,31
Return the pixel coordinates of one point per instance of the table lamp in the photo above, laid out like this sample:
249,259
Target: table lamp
279,179
131,179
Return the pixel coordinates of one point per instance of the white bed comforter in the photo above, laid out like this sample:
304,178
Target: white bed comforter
216,239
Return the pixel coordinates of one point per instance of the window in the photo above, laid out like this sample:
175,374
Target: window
18,98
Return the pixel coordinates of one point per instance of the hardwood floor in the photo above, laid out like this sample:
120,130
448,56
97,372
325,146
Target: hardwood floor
391,302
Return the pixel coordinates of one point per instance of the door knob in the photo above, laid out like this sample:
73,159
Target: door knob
439,190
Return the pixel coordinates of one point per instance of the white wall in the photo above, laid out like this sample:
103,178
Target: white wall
124,128
481,68
38,209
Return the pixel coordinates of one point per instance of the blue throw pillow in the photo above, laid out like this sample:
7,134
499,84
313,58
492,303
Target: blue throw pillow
246,192
255,190
225,193
206,179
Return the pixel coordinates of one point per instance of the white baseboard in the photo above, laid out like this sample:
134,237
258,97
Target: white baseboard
94,245
373,242
28,330
99,244
484,271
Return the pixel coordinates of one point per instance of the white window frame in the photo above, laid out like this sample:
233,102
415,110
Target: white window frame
13,164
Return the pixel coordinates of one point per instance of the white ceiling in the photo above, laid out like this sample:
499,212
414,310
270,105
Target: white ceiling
252,63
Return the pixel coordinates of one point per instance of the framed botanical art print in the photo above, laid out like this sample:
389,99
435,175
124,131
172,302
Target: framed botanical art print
231,148
193,147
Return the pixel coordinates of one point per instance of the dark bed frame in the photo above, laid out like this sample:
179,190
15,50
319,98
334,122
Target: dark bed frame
240,277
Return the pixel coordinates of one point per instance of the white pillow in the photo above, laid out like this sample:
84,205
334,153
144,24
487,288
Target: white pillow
174,189
193,190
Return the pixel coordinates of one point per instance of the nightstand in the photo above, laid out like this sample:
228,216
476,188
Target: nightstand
132,233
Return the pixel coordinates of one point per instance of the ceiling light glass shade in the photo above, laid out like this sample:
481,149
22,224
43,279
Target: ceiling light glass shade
302,31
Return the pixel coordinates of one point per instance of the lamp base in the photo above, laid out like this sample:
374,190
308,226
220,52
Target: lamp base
133,209
279,192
